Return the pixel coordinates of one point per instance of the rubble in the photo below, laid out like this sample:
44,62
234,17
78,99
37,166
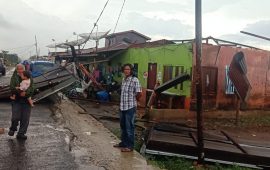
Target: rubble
49,83
179,140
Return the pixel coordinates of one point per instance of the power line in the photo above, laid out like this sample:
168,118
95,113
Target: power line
15,48
25,51
95,24
119,16
22,49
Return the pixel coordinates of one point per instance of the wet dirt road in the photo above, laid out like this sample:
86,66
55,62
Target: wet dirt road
65,141
80,143
93,142
46,147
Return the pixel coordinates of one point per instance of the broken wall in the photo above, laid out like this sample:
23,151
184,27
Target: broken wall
258,73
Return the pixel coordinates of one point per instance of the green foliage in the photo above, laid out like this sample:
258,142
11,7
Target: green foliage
227,167
170,163
263,120
175,163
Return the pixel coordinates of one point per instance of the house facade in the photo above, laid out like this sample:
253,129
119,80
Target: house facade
130,37
160,61
218,91
154,63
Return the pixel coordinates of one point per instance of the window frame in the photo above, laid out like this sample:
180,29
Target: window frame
229,87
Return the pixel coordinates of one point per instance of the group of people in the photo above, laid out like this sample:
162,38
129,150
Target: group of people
21,86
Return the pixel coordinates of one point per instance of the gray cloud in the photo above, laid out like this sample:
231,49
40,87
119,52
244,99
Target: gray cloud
28,24
155,18
4,24
210,6
260,28
155,26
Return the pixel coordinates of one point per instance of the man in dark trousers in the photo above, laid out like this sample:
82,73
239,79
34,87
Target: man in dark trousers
130,94
21,108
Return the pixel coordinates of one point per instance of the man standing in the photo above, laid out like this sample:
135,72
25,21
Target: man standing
21,108
130,94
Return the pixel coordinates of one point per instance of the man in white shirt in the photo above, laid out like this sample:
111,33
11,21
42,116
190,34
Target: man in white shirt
130,94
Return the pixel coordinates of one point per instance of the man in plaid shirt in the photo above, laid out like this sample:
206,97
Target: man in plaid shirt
130,94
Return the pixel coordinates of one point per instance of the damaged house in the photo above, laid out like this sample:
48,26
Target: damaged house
160,61
163,60
218,90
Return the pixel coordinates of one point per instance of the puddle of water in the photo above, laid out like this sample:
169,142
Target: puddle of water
90,133
56,129
67,139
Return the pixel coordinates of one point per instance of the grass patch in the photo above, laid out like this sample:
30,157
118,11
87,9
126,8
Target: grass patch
259,121
175,163
244,122
116,132
169,163
138,141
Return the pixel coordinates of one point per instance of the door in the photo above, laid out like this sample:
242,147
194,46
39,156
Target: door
267,87
152,75
209,87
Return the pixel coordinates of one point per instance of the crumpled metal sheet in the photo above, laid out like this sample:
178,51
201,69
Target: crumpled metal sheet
237,74
180,140
50,82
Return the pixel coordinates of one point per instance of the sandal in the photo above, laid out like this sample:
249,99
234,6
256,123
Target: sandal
118,146
126,150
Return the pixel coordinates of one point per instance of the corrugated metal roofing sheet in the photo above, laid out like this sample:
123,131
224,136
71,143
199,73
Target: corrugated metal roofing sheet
237,74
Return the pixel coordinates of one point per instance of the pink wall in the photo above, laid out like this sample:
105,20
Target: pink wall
257,61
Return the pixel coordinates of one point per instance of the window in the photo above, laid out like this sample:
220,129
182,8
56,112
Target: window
229,88
119,71
135,69
167,73
179,70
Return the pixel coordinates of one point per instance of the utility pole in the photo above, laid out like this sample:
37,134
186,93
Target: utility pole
54,46
74,33
36,47
198,29
97,40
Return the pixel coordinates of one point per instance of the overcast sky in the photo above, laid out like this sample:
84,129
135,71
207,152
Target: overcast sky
21,20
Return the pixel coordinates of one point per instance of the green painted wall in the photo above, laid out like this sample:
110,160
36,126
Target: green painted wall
166,55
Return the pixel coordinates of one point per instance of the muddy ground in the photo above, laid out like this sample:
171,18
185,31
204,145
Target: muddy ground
253,126
89,128
92,142
62,136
